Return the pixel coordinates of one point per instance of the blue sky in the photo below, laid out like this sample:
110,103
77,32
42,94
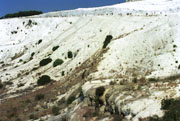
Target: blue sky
11,6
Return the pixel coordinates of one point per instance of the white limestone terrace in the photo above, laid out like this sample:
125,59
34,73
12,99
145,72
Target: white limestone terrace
151,7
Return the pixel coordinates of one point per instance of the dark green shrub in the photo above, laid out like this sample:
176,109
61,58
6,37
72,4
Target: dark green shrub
55,110
62,73
172,110
18,119
107,40
39,41
55,48
153,80
22,13
58,62
166,103
1,85
43,80
32,54
70,100
70,54
39,97
20,60
14,32
32,116
100,91
83,74
45,61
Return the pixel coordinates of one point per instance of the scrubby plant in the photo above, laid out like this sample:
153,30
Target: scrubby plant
45,61
70,99
39,97
20,60
153,80
70,54
43,80
81,95
22,13
55,110
1,85
62,73
58,62
32,116
100,91
171,109
107,40
18,119
83,74
14,32
55,48
32,54
39,41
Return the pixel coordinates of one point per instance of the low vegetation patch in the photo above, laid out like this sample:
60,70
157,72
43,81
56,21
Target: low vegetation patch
21,14
70,54
55,48
62,73
45,61
39,97
107,40
43,80
39,42
100,91
70,99
58,62
171,108
55,110
14,32
1,85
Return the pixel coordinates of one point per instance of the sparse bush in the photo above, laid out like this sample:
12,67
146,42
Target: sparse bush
22,13
172,110
70,100
62,73
18,119
70,54
39,41
45,61
55,48
32,116
100,91
83,74
20,60
55,110
1,85
43,80
81,95
32,54
153,80
107,40
14,32
112,83
28,101
39,97
58,62
135,80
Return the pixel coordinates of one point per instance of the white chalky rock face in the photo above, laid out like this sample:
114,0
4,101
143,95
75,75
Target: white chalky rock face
145,43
